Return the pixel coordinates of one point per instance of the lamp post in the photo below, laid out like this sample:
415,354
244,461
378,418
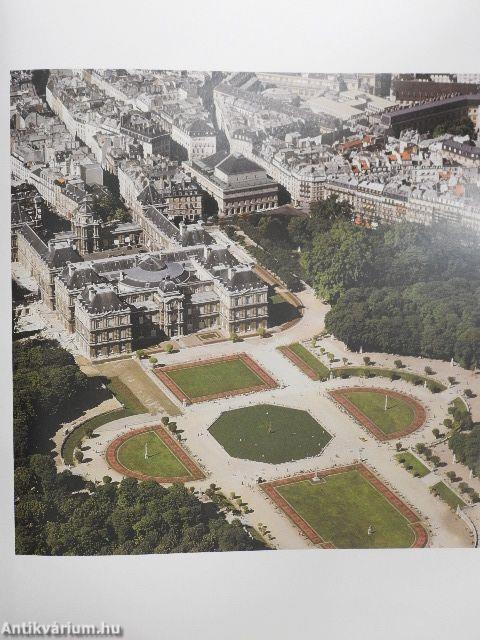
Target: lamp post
269,423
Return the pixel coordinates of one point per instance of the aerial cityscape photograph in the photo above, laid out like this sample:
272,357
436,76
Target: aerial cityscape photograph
246,310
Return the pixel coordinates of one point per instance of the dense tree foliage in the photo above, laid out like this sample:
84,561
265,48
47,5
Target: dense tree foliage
110,208
275,249
60,514
400,288
280,237
46,383
463,128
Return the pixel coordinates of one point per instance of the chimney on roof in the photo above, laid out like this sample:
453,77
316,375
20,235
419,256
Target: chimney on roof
91,294
182,227
230,272
71,269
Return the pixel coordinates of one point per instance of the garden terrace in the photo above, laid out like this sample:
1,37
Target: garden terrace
281,310
347,508
216,378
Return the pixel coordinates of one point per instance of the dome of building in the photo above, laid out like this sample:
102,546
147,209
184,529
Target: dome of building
153,271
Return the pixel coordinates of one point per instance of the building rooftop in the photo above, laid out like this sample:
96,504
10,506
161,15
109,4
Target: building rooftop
152,271
101,298
235,164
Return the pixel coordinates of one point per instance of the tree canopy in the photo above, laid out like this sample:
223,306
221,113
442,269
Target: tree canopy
400,288
60,514
46,383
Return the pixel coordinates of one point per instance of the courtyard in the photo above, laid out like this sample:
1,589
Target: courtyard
269,433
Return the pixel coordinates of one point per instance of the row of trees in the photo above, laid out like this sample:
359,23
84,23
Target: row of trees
465,440
60,514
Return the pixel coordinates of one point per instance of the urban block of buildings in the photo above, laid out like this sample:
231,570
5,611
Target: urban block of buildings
170,147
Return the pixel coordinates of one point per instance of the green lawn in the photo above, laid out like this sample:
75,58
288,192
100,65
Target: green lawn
217,377
398,416
269,433
132,406
74,439
393,374
160,462
310,360
459,404
447,495
341,509
418,467
123,394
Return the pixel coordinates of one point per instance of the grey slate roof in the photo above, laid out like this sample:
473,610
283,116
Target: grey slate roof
58,257
200,128
162,223
149,195
97,299
80,278
235,164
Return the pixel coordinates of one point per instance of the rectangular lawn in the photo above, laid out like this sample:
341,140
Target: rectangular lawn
342,507
212,378
410,460
447,495
309,359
